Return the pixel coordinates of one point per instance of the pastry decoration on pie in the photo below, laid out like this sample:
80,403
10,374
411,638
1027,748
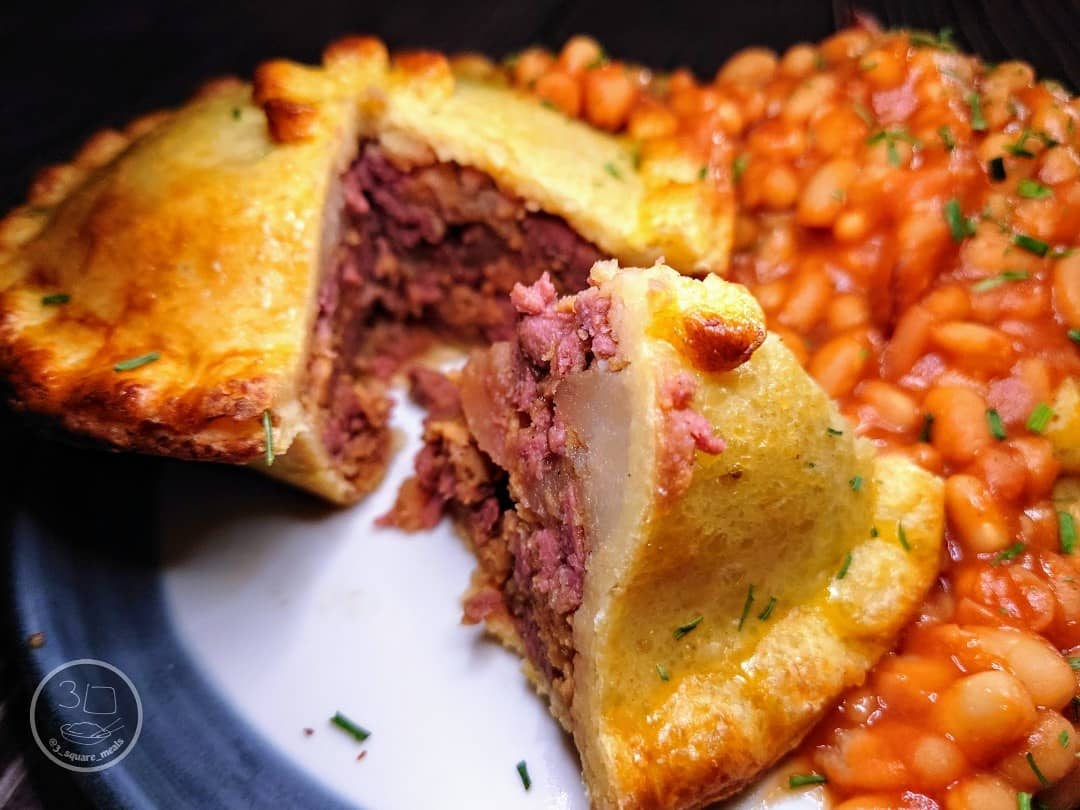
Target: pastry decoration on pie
676,528
235,280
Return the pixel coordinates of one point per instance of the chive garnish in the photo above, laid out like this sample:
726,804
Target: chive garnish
960,226
856,483
924,39
136,362
798,780
662,672
236,113
767,612
978,122
1035,769
738,167
55,299
349,727
947,138
269,433
1066,532
1040,418
864,114
927,426
523,772
874,532
688,627
1011,553
704,170
546,102
1031,244
1033,189
994,281
844,568
1063,739
834,432
1074,662
1074,335
613,170
997,427
1023,801
1019,149
746,606
996,169
901,535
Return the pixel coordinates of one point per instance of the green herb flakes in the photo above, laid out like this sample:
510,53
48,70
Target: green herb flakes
55,299
746,606
947,138
349,727
523,772
844,568
738,167
136,362
856,483
613,170
1040,418
688,627
1033,189
767,612
901,535
997,427
798,780
1035,769
1001,278
959,226
661,670
978,122
834,432
1011,553
1066,532
1030,244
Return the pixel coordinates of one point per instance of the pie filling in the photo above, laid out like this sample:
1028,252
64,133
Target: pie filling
426,252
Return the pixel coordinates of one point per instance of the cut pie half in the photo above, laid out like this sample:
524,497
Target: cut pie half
234,281
676,528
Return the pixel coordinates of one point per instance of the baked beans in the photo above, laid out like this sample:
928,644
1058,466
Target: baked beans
908,217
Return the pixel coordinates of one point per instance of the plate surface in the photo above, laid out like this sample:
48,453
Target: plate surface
246,613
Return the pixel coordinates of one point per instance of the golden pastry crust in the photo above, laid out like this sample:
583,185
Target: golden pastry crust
201,236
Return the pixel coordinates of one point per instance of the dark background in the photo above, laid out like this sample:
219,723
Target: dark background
67,72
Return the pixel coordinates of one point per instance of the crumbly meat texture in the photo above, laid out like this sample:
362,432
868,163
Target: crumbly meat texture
529,534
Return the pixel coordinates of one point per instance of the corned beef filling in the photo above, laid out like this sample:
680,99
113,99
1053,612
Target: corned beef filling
425,251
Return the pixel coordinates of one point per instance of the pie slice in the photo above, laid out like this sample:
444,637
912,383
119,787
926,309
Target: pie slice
676,528
234,281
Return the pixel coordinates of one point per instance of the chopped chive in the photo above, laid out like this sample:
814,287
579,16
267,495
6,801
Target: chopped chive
927,426
834,432
767,612
136,362
1074,335
997,427
1031,244
1019,149
1035,769
978,122
819,61
746,606
1074,662
1033,189
1011,553
892,154
662,672
546,102
994,281
996,169
865,114
901,535
856,483
959,225
268,431
798,780
349,727
523,772
1023,801
1066,532
738,167
844,568
55,299
688,627
868,65
1063,739
874,532
613,170
236,113
1040,418
947,138
704,170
